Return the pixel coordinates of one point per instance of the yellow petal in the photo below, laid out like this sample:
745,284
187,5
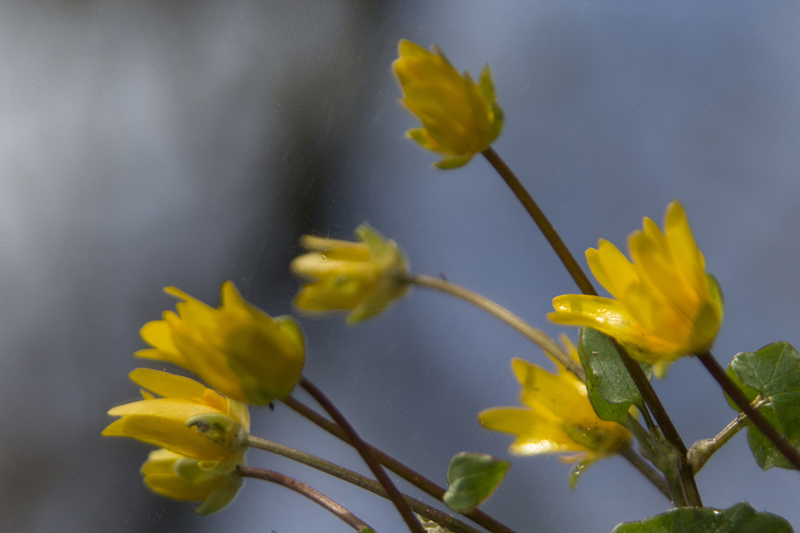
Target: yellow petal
557,393
618,272
168,385
158,335
535,434
684,248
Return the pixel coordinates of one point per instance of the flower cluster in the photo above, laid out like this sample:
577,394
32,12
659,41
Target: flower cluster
248,356
557,418
665,304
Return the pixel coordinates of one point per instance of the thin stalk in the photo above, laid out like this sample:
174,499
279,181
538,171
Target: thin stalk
586,287
536,335
541,220
641,465
702,450
755,417
363,449
431,513
315,496
413,477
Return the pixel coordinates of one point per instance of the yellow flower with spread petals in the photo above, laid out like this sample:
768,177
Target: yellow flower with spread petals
175,476
238,349
459,117
665,305
557,418
187,418
360,277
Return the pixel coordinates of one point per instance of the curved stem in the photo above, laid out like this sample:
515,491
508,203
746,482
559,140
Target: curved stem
755,417
301,488
538,216
538,336
366,454
431,513
413,477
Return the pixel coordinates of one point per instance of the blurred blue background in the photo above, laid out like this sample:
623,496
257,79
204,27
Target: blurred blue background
146,143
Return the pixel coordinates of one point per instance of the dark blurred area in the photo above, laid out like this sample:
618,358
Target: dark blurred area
145,144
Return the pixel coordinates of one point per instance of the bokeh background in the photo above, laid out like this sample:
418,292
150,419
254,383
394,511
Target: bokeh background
150,143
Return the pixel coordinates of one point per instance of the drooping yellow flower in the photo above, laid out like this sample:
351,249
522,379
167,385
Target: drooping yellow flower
175,476
666,305
557,418
187,418
238,349
360,277
459,117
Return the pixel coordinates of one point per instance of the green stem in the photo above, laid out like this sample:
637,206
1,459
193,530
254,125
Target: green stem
580,278
301,488
538,216
431,513
538,336
413,477
702,450
755,417
364,450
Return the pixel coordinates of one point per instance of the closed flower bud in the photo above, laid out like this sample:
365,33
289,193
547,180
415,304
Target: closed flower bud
460,118
360,277
175,476
168,420
557,418
665,305
238,349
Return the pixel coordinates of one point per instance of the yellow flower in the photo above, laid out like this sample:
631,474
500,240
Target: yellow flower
188,419
558,417
459,117
360,277
666,305
238,349
182,478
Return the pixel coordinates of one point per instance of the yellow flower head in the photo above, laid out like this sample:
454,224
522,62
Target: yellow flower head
238,349
175,476
459,117
666,305
187,418
557,417
360,277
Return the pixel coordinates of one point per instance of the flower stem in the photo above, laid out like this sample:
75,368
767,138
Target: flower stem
702,450
541,220
431,513
538,336
579,276
312,494
366,454
413,477
730,388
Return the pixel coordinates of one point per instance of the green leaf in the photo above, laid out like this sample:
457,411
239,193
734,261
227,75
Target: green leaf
741,518
772,372
472,478
611,389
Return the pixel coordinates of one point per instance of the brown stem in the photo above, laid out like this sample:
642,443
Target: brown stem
741,400
431,513
413,477
366,454
541,220
646,470
692,494
313,495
